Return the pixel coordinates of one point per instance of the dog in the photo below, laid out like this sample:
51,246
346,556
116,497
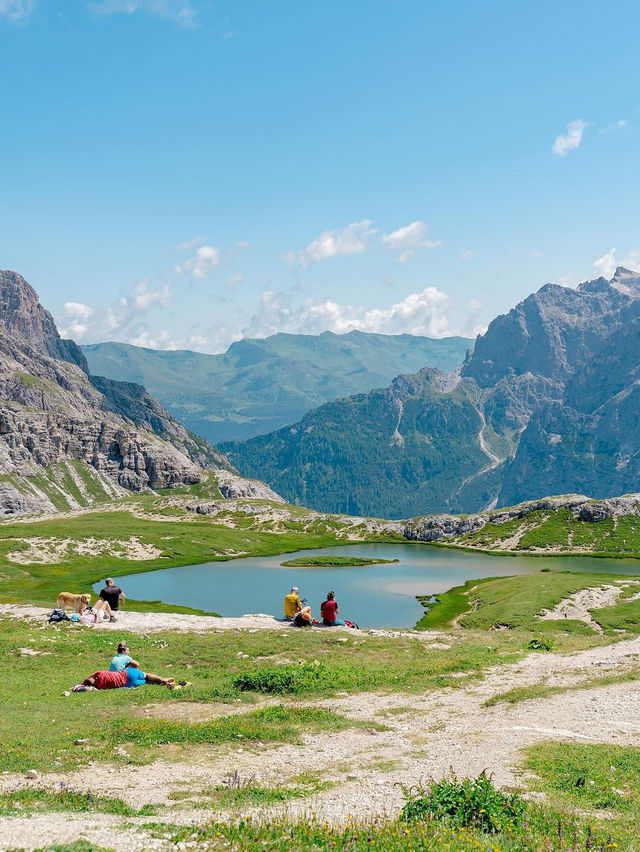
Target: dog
66,600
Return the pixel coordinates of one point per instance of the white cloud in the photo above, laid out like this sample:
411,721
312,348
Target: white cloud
77,310
424,313
407,239
571,139
201,264
197,341
350,240
124,319
180,12
16,11
235,279
613,127
467,254
189,244
537,254
606,265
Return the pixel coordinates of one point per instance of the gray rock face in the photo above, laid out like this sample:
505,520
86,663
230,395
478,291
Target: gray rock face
442,527
14,502
589,440
233,487
52,410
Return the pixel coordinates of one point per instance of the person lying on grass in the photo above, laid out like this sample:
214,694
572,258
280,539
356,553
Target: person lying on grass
128,678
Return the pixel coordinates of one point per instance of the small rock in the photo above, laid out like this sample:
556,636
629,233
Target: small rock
81,742
352,776
342,694
32,773
342,639
380,782
240,736
240,750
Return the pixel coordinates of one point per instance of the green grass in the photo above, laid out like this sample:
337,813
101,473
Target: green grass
334,562
542,830
40,724
543,690
593,777
65,799
514,602
237,792
546,529
447,606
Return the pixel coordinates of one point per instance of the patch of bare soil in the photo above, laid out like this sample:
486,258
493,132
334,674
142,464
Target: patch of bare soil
578,605
50,551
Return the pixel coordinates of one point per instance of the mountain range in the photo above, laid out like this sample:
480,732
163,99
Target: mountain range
70,439
546,403
258,386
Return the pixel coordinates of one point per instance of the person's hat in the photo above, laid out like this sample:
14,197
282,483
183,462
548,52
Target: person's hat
294,589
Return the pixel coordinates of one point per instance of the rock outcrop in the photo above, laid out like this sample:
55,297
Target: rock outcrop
52,410
443,527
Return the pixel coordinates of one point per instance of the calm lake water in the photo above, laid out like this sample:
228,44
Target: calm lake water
373,596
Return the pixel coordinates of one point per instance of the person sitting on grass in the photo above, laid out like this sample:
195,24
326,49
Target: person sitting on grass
110,599
292,604
122,660
329,610
128,678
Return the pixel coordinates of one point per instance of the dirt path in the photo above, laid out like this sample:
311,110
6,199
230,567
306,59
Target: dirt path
427,734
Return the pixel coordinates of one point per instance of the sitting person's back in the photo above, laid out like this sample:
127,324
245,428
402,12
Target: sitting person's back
329,610
292,603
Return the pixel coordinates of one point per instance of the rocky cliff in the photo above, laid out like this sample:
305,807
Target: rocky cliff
53,412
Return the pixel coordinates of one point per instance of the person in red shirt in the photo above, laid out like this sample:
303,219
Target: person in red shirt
329,610
128,677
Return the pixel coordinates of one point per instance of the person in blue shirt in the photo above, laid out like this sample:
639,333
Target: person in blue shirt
122,660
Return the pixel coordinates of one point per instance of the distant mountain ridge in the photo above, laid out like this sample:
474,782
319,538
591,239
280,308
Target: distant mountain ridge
547,403
259,385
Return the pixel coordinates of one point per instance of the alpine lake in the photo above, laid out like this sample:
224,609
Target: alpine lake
375,596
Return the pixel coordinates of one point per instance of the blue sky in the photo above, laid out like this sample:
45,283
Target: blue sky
180,173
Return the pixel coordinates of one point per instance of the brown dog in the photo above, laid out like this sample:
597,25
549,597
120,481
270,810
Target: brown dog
66,600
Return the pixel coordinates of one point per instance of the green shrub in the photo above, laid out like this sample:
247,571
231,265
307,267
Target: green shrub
470,803
540,644
294,678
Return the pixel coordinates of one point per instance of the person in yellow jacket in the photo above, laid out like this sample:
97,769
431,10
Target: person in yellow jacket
292,604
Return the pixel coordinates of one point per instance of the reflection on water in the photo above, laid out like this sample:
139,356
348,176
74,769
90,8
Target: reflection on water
373,596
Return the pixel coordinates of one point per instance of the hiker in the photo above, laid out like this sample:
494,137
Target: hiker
329,610
292,604
127,678
109,599
122,660
303,618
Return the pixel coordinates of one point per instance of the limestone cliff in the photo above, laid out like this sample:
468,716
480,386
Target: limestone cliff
52,411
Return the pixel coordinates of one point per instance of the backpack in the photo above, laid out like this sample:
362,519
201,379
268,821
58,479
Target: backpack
58,615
